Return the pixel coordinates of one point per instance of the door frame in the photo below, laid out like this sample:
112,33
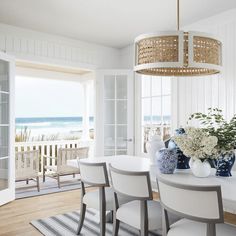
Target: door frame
8,194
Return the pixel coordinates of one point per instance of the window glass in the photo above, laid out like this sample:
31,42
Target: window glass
156,108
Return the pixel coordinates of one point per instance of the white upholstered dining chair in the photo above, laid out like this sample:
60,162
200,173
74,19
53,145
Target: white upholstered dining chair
142,213
200,206
101,199
61,168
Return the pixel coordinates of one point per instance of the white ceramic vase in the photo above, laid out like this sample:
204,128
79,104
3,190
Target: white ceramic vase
154,145
199,168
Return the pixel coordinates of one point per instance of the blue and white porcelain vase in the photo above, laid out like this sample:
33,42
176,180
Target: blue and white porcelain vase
167,160
183,161
224,164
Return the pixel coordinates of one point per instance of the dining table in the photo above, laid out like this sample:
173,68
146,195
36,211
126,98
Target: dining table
135,163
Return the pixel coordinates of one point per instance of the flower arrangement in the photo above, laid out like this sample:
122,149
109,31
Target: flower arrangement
214,124
197,143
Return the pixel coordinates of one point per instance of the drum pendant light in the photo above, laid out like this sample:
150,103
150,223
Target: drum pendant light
178,53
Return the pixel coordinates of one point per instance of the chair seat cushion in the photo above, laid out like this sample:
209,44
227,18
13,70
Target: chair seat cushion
24,176
91,199
63,169
130,213
67,170
186,227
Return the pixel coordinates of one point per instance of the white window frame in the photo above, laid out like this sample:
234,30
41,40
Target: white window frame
138,112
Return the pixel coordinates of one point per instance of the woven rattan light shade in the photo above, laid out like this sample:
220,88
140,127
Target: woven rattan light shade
178,53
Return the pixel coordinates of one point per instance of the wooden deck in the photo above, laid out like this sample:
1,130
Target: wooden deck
15,216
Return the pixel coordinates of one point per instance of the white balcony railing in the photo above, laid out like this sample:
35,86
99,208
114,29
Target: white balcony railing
50,148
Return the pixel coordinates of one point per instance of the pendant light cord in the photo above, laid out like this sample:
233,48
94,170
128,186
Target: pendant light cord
178,15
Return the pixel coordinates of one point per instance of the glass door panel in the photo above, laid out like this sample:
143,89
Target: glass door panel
121,137
116,113
109,112
109,137
7,158
121,87
4,139
4,76
109,86
121,113
4,173
4,108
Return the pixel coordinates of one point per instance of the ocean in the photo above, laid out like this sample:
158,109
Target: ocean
63,127
51,125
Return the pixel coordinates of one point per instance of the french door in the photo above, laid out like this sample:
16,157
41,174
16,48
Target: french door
114,113
7,157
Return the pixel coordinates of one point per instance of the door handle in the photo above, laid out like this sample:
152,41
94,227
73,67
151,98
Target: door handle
128,139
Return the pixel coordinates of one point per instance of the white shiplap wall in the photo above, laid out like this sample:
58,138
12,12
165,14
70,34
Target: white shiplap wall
51,49
200,93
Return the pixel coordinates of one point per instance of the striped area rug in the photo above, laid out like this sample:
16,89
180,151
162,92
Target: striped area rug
66,225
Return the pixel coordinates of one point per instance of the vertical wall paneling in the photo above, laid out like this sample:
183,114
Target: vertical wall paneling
208,92
51,49
197,94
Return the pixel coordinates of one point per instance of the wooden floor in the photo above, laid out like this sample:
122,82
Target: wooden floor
15,216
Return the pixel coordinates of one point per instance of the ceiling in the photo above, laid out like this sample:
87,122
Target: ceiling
112,23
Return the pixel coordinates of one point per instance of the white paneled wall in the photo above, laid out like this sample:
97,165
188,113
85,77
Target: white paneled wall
199,93
45,48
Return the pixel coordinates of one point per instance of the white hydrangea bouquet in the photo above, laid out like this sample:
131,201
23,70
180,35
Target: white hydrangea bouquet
197,144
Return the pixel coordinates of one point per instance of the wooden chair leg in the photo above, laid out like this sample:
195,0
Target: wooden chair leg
102,222
58,181
82,216
144,219
211,230
143,232
102,211
38,186
43,175
116,225
112,216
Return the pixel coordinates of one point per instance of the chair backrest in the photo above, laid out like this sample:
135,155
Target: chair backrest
27,163
65,154
200,203
132,184
94,174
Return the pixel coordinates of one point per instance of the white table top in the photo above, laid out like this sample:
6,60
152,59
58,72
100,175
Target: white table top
134,163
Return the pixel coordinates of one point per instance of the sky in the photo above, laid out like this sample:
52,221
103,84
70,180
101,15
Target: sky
36,97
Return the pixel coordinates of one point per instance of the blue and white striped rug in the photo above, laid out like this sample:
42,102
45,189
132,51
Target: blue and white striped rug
66,225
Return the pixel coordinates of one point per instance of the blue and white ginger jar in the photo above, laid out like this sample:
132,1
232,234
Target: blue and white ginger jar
167,160
183,161
224,165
